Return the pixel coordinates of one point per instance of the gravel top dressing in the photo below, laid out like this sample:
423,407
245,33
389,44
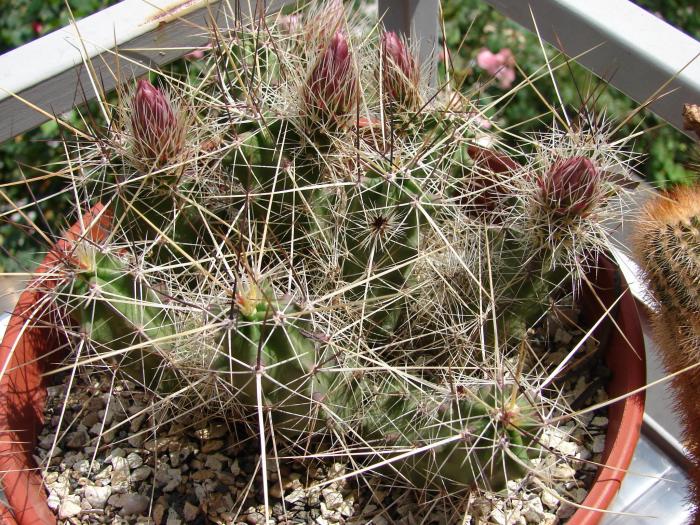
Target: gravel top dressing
187,471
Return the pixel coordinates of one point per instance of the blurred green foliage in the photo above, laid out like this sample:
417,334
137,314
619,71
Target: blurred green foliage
684,14
469,26
21,245
25,20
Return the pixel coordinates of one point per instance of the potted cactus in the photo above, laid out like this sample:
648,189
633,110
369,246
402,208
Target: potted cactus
665,242
308,243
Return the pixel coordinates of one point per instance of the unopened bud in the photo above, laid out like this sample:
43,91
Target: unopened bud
570,187
401,74
331,89
158,133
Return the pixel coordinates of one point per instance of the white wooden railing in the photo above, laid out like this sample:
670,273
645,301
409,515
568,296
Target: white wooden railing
636,52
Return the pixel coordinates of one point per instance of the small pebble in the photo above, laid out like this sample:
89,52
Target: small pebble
97,496
141,473
119,478
598,444
212,446
190,511
173,518
70,507
129,503
134,460
78,439
549,500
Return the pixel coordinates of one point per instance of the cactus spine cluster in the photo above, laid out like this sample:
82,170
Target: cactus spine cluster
667,248
321,244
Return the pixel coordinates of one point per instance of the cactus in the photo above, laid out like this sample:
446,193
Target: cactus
158,133
272,339
400,73
316,232
667,248
123,316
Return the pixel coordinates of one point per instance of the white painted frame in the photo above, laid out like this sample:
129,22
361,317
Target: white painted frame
54,73
639,54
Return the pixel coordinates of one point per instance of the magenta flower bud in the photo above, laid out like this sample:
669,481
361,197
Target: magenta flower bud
401,74
570,187
158,133
331,89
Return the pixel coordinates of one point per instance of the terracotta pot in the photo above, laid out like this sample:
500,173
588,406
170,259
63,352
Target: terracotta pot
626,360
29,349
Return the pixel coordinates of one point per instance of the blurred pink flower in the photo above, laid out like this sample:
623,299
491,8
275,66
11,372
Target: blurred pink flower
198,53
481,121
37,27
500,65
194,55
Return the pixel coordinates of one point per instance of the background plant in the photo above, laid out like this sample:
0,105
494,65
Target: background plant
472,26
666,248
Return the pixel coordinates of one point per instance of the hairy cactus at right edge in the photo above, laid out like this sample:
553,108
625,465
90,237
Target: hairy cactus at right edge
667,247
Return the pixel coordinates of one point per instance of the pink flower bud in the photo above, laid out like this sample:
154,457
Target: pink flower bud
331,89
401,75
570,187
158,133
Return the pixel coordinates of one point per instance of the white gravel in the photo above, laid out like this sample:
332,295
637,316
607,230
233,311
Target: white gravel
205,473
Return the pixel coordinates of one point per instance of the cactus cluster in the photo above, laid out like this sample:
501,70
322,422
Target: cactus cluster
306,238
667,248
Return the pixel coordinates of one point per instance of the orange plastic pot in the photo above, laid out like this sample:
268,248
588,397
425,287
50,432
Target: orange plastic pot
29,349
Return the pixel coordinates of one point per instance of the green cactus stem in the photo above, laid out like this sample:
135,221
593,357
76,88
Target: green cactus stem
484,437
120,314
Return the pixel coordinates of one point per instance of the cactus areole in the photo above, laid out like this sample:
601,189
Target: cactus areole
22,392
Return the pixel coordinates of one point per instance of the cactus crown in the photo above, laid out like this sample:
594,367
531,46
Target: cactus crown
666,244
